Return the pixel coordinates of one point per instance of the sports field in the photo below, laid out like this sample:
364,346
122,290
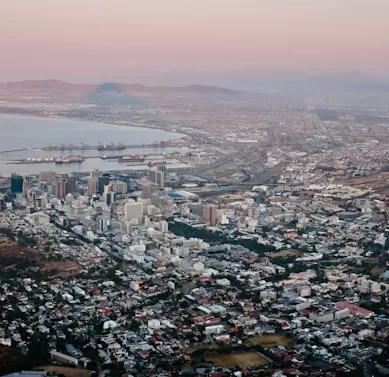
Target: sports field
242,360
269,341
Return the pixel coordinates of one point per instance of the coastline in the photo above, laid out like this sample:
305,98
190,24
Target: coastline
150,133
77,119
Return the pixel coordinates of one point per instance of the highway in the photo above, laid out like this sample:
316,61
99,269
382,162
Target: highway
223,161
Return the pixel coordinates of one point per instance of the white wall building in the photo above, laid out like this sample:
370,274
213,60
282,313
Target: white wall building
133,210
215,329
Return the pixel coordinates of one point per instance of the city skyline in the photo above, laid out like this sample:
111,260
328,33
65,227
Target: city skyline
165,42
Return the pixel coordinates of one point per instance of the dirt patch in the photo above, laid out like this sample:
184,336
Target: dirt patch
68,372
63,268
242,360
6,242
375,180
199,347
284,254
13,256
270,341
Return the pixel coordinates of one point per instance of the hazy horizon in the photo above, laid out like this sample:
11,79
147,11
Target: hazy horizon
179,42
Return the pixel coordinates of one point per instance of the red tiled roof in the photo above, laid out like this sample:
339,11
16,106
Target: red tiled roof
354,309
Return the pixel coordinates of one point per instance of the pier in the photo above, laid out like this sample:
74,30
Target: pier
113,158
85,147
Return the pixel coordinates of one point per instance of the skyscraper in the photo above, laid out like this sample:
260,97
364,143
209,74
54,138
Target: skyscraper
102,182
91,185
109,197
47,176
147,190
119,187
133,210
71,184
210,214
157,173
26,185
126,179
163,226
16,184
60,189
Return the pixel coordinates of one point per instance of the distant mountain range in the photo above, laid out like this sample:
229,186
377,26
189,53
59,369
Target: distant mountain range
60,87
353,79
135,94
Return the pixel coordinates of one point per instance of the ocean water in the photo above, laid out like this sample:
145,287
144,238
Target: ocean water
18,132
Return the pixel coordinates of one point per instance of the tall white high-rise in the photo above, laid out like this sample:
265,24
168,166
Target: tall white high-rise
163,226
134,210
157,173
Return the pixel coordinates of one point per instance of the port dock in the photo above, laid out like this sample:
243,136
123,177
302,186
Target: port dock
122,158
99,147
105,147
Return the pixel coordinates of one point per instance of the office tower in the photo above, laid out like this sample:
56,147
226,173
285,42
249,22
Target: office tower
42,202
91,185
109,197
133,210
16,184
102,182
95,173
26,186
119,187
163,226
51,189
210,214
60,189
47,176
107,188
157,173
103,225
147,190
127,227
32,197
126,179
71,185
30,179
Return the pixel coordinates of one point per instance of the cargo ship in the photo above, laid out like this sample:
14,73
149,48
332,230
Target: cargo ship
63,147
35,160
111,157
69,160
133,158
111,147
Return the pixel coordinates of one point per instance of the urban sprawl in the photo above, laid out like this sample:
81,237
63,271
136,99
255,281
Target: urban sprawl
261,250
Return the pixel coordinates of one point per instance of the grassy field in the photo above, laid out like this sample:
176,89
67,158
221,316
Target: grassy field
243,360
68,372
269,341
284,253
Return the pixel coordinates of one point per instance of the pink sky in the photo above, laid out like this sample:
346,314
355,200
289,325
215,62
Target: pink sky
98,40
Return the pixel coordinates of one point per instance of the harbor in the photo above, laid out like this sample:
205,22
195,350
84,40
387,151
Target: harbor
79,159
129,160
98,147
105,147
44,160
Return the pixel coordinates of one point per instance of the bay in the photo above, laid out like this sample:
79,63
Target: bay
18,132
